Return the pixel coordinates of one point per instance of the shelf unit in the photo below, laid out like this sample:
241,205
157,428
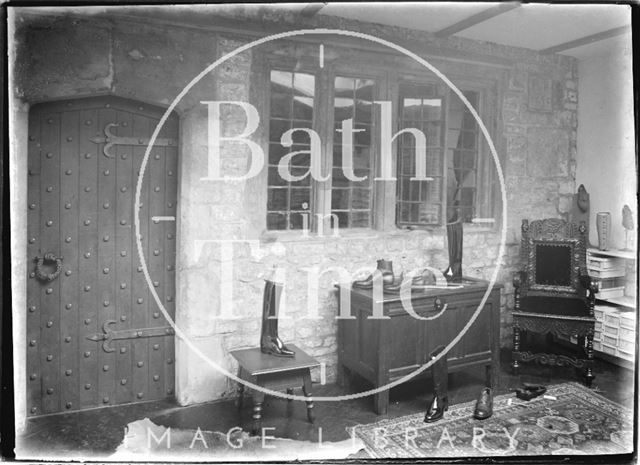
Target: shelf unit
615,341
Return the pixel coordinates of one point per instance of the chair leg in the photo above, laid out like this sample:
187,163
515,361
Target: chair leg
258,399
589,376
306,388
240,390
515,364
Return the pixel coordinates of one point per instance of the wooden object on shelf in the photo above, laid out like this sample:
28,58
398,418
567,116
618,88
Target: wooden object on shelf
580,209
386,349
553,294
274,373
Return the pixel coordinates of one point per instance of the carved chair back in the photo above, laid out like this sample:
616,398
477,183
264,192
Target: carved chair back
554,255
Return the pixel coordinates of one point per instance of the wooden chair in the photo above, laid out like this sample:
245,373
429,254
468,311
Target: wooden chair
554,294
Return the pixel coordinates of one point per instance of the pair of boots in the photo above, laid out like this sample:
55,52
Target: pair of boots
440,402
270,343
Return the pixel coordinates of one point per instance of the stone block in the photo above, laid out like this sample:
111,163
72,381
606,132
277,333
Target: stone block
547,152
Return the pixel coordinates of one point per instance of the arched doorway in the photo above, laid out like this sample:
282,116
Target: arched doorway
95,336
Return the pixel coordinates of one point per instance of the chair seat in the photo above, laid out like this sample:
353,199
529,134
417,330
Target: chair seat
554,306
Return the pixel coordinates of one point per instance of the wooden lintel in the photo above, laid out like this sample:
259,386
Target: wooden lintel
616,31
476,19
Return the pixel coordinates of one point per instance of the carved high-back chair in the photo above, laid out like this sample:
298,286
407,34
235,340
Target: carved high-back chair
554,294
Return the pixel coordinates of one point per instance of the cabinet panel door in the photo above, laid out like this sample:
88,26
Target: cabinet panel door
442,330
479,337
403,341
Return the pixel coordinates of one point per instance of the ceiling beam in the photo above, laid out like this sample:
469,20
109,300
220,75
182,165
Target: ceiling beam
311,9
616,31
477,18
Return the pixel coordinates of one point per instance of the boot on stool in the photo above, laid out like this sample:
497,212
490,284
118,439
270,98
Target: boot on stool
439,375
270,343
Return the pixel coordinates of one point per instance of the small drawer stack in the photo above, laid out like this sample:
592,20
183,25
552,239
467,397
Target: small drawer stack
609,273
615,331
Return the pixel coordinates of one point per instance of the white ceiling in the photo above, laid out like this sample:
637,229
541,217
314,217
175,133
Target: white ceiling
533,26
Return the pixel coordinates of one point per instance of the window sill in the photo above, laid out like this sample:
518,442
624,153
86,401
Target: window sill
366,233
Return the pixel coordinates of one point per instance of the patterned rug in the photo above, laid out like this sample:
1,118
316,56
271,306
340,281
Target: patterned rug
578,422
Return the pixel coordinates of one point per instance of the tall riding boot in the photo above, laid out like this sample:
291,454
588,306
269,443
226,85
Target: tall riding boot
439,375
385,267
454,244
270,343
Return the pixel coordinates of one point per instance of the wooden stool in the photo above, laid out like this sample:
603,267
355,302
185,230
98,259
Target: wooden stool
274,373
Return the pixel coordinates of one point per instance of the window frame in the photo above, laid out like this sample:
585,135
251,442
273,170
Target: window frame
385,194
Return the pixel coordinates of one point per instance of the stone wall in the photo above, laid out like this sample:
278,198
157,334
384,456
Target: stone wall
72,56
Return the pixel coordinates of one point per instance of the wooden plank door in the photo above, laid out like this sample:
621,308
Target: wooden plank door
95,335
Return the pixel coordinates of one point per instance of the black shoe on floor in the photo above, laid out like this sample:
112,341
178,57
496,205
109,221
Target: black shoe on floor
484,405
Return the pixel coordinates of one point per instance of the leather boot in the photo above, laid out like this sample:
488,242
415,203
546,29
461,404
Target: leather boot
270,343
439,375
454,243
385,267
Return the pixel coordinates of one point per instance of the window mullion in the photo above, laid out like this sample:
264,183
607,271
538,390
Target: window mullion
324,127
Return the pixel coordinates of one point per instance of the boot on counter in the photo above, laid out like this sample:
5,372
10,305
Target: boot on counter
440,402
454,243
484,405
385,267
270,343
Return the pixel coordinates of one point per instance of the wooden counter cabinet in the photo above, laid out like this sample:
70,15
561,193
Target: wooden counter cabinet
384,350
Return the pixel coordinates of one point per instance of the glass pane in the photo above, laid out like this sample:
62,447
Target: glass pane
465,178
364,100
306,181
337,156
362,157
414,190
429,213
280,105
274,178
304,85
295,220
360,219
292,100
361,199
340,199
277,199
432,133
469,139
281,81
453,138
467,195
300,198
434,162
363,135
411,109
339,179
472,97
431,109
468,121
467,160
343,110
344,86
341,220
276,221
277,127
303,108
